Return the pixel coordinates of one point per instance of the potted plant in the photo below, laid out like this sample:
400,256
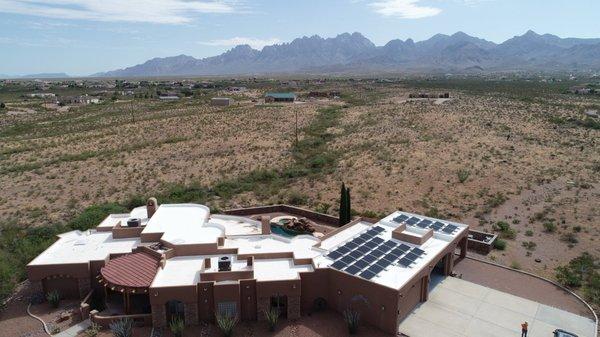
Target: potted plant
177,326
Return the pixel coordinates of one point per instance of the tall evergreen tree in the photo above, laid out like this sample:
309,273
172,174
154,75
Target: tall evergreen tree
348,207
343,203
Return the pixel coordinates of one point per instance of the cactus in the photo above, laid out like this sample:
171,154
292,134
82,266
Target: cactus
122,328
352,318
177,326
53,298
226,324
272,317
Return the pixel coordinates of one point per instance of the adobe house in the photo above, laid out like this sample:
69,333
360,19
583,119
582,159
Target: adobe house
179,260
280,97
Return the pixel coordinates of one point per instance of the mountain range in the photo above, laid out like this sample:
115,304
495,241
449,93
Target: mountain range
355,54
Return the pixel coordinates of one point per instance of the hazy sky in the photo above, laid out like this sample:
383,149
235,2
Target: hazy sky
81,37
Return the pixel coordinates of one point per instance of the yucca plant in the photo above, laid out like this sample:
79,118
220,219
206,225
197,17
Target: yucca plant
352,318
177,326
53,298
93,330
272,317
122,328
226,324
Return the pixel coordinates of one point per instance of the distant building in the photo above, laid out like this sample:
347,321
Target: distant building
221,101
280,97
580,90
168,98
236,89
42,95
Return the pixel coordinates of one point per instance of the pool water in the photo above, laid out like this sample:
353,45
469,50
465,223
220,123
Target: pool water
275,229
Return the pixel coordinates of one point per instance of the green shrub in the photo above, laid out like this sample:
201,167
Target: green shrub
122,328
506,232
567,277
570,238
272,318
500,244
550,227
177,326
352,319
53,298
226,324
93,330
463,175
529,245
529,232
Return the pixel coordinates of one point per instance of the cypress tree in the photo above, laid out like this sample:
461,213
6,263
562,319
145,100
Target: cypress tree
343,203
348,208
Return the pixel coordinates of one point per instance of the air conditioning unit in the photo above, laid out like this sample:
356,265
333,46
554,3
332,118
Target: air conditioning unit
225,263
134,222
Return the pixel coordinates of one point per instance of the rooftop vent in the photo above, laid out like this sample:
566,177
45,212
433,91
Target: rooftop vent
134,222
225,263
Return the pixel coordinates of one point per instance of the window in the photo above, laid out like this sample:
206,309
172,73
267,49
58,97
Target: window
227,309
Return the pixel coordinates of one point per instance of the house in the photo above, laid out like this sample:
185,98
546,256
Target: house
42,95
221,101
180,260
236,89
271,97
168,98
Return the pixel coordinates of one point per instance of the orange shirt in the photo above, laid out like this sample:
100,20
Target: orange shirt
524,326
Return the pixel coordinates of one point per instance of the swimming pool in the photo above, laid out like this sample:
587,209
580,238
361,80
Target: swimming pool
276,229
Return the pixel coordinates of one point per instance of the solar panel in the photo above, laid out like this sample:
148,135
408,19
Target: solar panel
398,251
383,263
342,250
405,262
338,265
363,249
412,220
400,218
377,240
365,237
422,224
390,243
358,241
418,251
362,264
379,229
426,222
368,234
352,270
347,259
368,274
334,255
375,269
395,253
404,247
355,254
381,250
449,229
437,225
370,244
411,256
350,245
369,258
390,257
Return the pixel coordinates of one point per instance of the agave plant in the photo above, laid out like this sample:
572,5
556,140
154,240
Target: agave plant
122,328
272,317
177,326
352,318
226,324
53,298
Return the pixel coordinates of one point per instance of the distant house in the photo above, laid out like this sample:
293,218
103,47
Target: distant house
236,89
42,95
221,101
168,98
280,97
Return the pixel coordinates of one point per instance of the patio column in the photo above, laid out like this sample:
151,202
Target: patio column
425,288
463,247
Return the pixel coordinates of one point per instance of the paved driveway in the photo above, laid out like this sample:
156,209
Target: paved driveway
461,308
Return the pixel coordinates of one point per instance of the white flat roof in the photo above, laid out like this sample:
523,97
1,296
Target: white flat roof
300,245
278,269
183,224
395,275
235,225
113,219
81,247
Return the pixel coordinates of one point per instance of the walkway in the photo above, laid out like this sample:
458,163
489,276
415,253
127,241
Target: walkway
458,308
75,329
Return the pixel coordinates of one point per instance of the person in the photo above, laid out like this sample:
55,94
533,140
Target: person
524,326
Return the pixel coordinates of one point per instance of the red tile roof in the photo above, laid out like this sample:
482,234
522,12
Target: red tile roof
135,270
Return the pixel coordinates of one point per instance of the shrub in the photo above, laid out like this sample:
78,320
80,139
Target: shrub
500,244
463,175
529,232
53,298
177,326
272,317
550,227
352,319
529,245
122,328
515,265
505,231
570,238
567,277
226,324
93,330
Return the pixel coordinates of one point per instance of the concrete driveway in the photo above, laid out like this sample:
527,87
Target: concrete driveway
461,308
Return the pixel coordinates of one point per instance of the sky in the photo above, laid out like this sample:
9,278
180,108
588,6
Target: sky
82,37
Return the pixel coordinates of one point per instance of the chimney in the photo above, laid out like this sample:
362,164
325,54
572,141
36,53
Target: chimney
207,263
220,241
250,261
265,224
151,206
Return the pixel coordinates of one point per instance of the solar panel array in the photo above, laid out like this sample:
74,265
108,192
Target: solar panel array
367,254
426,223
